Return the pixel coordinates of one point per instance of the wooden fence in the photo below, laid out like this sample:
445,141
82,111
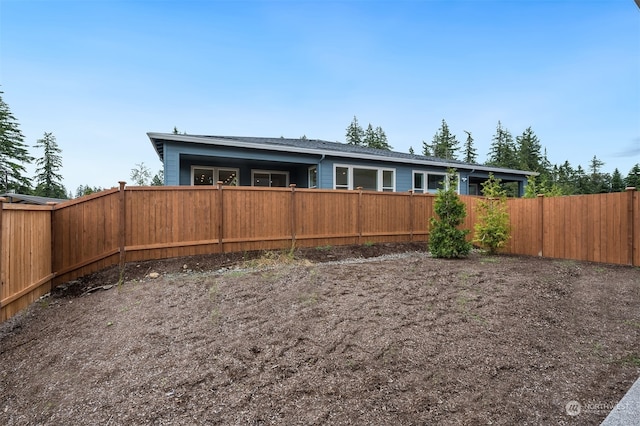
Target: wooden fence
43,246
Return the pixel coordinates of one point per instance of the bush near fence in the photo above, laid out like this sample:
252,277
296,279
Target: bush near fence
44,246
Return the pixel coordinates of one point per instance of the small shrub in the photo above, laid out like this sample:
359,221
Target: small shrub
445,239
492,231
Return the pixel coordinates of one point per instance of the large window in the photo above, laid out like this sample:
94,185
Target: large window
270,178
369,178
201,175
429,182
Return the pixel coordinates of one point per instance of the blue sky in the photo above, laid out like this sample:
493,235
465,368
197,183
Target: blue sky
101,74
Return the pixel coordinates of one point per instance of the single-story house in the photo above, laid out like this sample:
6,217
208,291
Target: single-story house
311,163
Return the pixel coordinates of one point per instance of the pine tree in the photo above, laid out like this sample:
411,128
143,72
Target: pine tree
633,178
13,153
446,239
355,134
503,150
369,137
48,180
597,180
158,178
411,151
529,151
444,144
470,153
381,141
426,149
617,183
83,190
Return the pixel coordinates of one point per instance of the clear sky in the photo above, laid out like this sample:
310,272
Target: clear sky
100,74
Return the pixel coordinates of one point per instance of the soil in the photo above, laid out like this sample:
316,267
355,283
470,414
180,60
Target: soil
380,334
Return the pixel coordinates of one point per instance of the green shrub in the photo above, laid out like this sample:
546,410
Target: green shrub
492,231
445,239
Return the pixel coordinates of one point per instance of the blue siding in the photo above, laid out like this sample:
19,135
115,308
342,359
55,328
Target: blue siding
180,157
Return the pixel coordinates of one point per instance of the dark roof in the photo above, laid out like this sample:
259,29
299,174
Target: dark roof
317,146
30,199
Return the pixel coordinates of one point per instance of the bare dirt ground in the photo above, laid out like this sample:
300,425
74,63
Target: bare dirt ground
331,336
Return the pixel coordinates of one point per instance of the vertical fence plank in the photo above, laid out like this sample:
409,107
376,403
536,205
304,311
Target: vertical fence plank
630,191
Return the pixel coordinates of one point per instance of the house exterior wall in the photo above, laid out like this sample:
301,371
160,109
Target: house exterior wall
179,158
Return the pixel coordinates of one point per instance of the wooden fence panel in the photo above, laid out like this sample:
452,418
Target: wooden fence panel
166,222
85,232
384,217
421,213
326,217
25,256
256,218
525,227
634,224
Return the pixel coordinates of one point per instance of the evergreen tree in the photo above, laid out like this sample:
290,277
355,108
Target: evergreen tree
369,137
492,230
158,178
381,141
426,149
48,180
445,238
444,144
503,150
83,190
470,153
529,151
598,182
633,178
355,134
617,183
411,151
13,153
581,182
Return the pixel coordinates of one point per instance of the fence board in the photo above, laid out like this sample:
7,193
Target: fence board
25,258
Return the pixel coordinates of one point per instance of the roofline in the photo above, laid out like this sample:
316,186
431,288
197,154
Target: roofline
213,140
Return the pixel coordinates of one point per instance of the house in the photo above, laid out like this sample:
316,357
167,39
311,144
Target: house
311,163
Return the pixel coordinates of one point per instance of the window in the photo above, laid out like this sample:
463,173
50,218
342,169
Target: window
369,178
313,177
270,178
429,182
418,182
342,177
201,175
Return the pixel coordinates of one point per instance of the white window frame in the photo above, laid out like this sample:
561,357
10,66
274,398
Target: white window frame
379,177
216,174
280,172
425,181
309,174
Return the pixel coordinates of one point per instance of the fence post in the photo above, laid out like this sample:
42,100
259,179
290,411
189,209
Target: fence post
52,225
630,224
541,225
359,216
220,215
2,200
122,236
411,215
293,216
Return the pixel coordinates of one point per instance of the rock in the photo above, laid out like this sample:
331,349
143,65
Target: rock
154,275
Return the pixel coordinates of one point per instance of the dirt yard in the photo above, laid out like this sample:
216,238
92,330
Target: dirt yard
331,336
